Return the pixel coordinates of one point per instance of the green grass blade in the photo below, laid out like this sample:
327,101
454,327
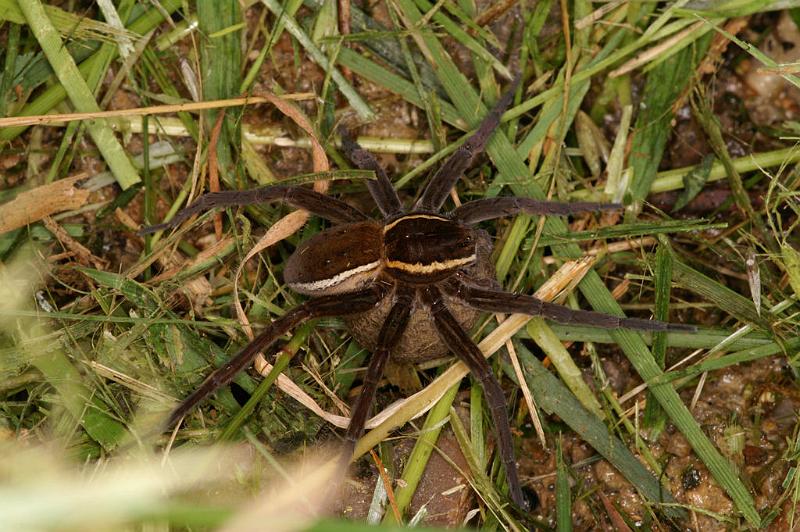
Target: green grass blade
420,454
56,93
377,74
355,100
563,495
665,83
79,93
569,372
789,347
630,230
284,358
723,297
653,414
220,66
465,39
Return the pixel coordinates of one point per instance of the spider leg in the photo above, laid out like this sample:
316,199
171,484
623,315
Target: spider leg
465,349
382,191
333,305
499,301
390,334
490,208
447,176
320,204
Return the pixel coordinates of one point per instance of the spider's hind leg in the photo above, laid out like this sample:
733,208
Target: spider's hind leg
388,338
465,349
334,305
507,302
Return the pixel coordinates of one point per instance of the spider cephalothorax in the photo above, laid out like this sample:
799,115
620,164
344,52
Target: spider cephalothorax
408,284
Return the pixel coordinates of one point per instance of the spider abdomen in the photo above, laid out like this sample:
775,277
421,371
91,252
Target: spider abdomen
338,260
423,248
421,341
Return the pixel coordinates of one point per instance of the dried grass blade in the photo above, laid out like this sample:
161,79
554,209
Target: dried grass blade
33,205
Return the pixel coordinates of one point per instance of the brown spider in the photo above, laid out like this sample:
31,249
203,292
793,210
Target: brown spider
404,279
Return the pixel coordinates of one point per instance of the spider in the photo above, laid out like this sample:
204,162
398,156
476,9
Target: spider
410,284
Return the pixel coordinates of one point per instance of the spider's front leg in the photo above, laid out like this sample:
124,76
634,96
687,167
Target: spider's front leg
491,208
454,336
303,198
450,172
381,189
499,301
325,306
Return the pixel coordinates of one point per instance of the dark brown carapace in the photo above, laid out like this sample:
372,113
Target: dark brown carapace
400,281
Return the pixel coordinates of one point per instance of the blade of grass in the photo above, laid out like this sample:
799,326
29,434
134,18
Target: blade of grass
381,76
284,358
355,100
631,230
654,417
291,8
220,66
483,485
723,297
56,93
563,494
569,372
789,348
664,85
420,454
9,67
79,93
374,38
69,25
476,428
429,100
673,179
554,398
465,39
703,113
31,339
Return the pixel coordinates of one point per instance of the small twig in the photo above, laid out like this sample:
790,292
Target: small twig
213,169
387,485
15,121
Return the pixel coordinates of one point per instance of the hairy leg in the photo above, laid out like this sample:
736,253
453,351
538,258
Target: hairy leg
324,206
465,349
335,305
381,189
390,334
499,301
490,208
450,172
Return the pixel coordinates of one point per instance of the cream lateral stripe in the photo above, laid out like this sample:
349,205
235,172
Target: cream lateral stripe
431,267
388,227
336,279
